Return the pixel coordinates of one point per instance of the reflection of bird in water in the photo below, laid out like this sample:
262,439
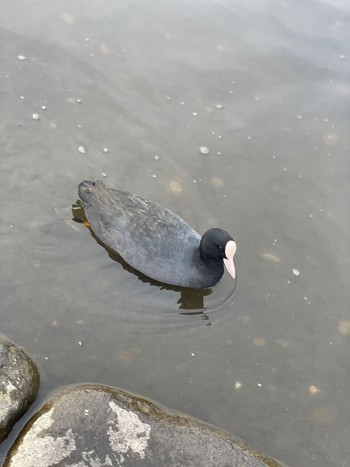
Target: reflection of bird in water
190,299
154,240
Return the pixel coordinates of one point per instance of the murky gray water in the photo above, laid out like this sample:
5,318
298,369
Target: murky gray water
264,85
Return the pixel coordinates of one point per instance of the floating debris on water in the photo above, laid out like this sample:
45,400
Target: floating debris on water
296,272
22,57
175,187
313,390
105,150
80,343
68,19
81,149
35,116
283,343
271,257
344,328
238,385
259,342
259,385
104,49
204,150
217,182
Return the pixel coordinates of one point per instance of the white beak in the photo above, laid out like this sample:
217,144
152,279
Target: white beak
230,251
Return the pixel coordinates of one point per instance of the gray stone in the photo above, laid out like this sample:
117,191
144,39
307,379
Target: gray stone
19,384
93,425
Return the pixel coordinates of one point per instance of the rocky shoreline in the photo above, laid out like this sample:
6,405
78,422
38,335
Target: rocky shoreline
95,425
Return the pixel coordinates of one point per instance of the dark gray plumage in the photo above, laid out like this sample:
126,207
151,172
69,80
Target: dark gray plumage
154,240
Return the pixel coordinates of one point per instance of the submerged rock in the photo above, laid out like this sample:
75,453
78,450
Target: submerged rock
93,425
19,384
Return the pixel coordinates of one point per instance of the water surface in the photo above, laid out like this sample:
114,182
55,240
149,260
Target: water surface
139,87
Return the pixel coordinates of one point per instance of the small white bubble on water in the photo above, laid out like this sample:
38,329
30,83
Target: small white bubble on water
274,157
249,137
21,97
81,149
79,101
299,117
284,169
22,57
154,176
104,174
80,126
43,107
218,153
220,136
194,114
219,106
342,57
168,98
325,120
296,272
105,150
182,103
204,150
259,385
258,99
156,158
194,181
231,91
35,116
87,39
